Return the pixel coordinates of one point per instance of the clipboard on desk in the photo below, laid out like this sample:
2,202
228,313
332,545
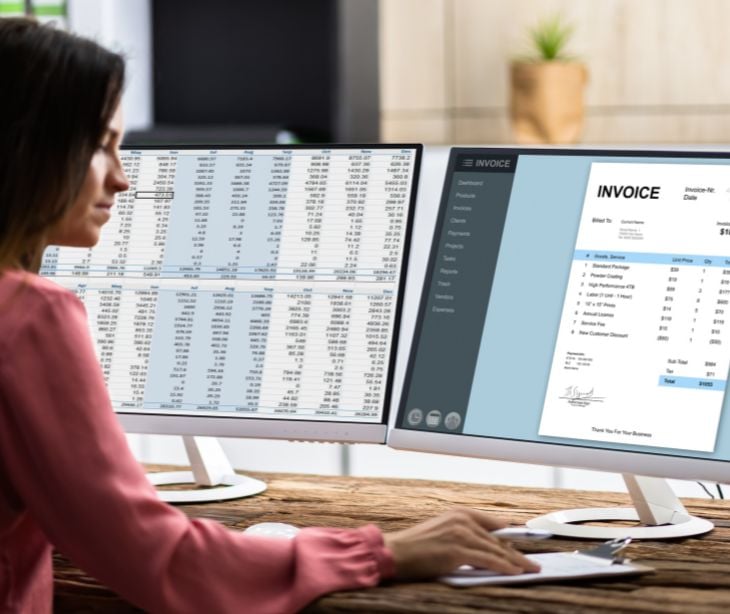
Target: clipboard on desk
602,561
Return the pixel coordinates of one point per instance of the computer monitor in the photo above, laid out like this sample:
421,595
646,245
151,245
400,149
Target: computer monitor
250,292
575,312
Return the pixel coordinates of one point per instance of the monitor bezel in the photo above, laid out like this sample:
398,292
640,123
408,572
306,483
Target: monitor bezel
171,423
579,456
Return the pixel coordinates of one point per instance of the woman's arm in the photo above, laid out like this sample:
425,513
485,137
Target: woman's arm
69,462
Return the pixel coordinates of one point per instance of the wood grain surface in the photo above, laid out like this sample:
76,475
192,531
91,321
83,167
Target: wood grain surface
692,575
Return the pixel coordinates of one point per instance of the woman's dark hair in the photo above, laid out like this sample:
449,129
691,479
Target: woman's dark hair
57,95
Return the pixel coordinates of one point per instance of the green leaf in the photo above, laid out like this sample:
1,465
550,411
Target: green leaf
550,36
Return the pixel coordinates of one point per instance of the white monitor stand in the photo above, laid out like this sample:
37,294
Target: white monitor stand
210,467
655,506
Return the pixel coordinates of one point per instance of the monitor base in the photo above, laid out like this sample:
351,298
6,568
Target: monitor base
655,505
210,467
560,523
232,486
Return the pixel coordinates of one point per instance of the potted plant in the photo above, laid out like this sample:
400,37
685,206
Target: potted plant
546,104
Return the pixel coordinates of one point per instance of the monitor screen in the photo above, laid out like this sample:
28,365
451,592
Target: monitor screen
251,291
576,312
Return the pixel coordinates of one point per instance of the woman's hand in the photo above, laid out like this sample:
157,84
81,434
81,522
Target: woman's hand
458,537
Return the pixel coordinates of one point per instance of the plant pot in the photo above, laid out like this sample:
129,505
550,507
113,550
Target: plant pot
546,104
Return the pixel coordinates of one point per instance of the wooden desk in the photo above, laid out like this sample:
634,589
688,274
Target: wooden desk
693,575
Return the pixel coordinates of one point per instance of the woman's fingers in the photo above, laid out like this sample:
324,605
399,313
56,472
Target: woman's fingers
478,523
459,537
515,557
494,561
481,540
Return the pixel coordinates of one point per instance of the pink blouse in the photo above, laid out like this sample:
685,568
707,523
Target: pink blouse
68,478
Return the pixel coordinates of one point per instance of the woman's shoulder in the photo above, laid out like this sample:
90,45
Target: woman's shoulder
23,295
28,287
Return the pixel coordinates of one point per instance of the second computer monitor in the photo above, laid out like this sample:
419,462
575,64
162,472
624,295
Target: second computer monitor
576,312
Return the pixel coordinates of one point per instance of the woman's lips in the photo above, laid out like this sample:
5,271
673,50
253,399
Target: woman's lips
105,212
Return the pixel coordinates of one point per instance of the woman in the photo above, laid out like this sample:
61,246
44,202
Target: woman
67,477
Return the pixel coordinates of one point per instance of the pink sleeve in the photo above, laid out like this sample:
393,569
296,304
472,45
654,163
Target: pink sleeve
69,462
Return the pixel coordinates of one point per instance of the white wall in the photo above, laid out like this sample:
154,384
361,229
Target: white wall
125,27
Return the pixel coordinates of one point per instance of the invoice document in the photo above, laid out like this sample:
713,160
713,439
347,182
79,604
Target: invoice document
642,351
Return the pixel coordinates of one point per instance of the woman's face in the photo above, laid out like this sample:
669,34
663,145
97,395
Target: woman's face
81,225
